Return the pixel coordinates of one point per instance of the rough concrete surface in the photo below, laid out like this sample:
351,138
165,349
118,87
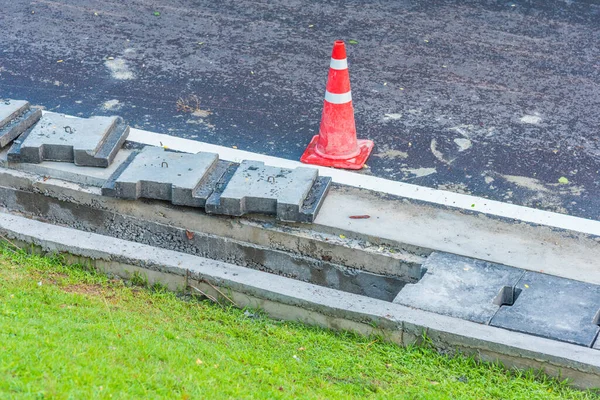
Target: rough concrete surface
580,364
256,188
320,271
460,287
494,98
92,142
163,175
554,308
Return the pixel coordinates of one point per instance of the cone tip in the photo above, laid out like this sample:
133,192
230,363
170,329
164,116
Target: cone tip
339,50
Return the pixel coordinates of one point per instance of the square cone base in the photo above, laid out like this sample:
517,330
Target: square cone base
310,156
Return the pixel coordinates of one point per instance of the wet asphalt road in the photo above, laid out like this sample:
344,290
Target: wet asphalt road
499,99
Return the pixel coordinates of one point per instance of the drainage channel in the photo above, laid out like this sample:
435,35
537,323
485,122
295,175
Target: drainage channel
288,264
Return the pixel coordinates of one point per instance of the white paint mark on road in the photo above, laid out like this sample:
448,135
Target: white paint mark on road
438,154
200,121
464,130
119,69
201,113
392,154
113,104
531,119
463,144
526,182
419,172
392,117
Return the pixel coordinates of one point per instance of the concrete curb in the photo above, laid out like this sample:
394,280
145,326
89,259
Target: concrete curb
424,228
430,196
290,299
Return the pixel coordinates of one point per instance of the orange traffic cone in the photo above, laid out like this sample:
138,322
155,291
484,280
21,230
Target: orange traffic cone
336,144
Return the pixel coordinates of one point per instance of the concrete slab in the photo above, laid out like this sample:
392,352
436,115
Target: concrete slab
256,188
92,142
16,116
163,175
460,287
554,308
87,176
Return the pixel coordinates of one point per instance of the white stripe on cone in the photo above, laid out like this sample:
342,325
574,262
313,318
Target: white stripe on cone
335,98
338,64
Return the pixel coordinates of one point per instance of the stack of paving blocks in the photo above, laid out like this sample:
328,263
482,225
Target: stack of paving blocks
194,180
202,180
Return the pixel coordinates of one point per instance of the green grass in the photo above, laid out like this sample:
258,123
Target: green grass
69,333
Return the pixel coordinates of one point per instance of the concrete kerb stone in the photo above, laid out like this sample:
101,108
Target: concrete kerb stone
256,188
578,363
426,226
293,195
72,213
154,173
87,176
122,226
92,142
16,116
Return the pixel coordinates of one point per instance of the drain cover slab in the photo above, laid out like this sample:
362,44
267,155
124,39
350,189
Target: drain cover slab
554,308
460,287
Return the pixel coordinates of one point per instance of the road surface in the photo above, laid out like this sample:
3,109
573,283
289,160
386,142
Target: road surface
499,99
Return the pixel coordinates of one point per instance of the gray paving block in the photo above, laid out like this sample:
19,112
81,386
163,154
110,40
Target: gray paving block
215,181
314,200
256,188
154,173
554,308
92,142
87,176
460,287
16,116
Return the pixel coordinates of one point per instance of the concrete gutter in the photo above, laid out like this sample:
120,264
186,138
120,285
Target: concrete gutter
290,299
409,191
430,219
